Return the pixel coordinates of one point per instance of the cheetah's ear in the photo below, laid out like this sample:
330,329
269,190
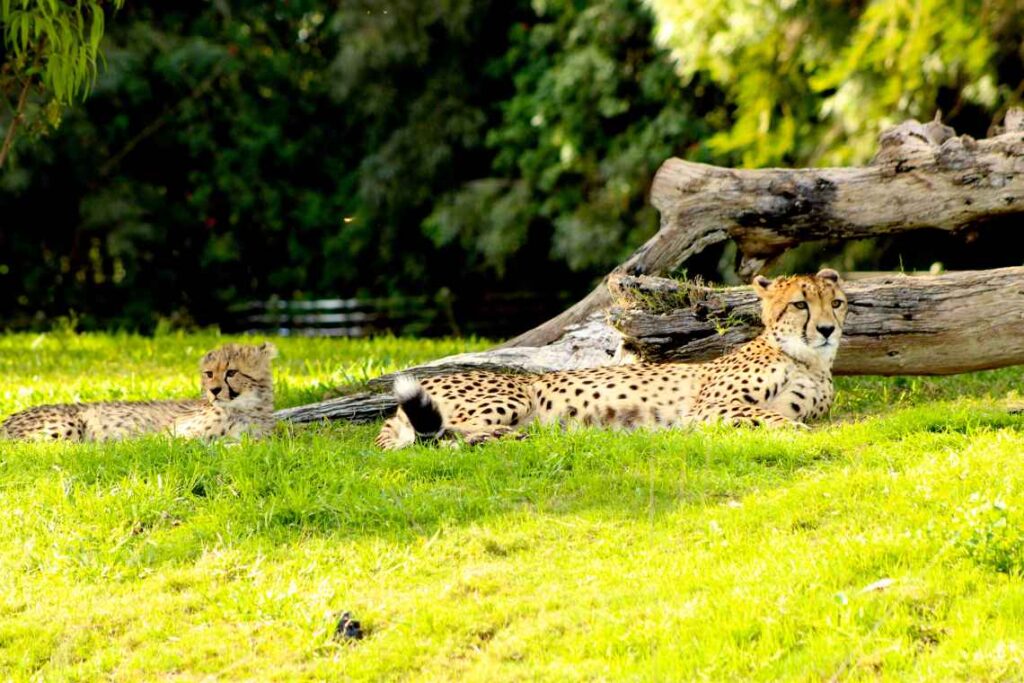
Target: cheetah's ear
761,285
829,274
268,350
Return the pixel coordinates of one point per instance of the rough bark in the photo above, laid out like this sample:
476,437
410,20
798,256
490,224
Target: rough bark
897,325
922,177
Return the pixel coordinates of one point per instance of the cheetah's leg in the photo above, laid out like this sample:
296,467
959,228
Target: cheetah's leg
736,413
490,418
481,430
493,434
396,433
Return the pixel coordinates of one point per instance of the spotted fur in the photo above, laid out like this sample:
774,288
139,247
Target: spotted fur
783,377
237,398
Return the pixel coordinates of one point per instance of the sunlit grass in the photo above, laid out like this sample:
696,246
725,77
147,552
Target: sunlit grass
886,544
92,367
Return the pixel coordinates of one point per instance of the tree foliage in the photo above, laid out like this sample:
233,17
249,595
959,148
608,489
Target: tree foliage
50,49
236,151
814,82
277,149
594,110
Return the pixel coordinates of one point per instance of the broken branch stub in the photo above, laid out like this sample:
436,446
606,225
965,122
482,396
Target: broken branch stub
922,177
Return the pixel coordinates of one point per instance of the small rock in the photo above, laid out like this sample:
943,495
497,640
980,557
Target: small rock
348,628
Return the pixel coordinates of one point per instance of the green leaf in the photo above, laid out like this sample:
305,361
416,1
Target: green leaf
96,31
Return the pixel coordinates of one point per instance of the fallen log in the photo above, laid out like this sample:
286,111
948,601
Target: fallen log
923,176
897,325
589,345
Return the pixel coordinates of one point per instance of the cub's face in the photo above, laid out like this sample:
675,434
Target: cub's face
804,313
237,376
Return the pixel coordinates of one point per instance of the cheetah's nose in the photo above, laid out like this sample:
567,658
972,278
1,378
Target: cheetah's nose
216,390
826,330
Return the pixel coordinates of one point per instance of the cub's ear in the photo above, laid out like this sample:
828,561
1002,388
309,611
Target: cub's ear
761,285
268,350
828,274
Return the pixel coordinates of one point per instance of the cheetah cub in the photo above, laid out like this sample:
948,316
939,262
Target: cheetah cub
238,398
783,377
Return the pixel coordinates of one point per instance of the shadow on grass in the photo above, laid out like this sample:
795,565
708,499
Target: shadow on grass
142,504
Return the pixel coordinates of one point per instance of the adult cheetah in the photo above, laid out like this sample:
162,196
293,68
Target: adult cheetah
238,398
783,377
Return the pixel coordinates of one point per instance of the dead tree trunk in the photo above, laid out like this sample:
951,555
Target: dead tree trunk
922,177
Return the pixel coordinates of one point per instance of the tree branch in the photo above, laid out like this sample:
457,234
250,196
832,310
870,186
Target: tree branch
156,124
19,112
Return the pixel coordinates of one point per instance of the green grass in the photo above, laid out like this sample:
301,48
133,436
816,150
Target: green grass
714,554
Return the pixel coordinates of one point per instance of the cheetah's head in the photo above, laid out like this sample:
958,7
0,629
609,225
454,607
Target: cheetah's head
238,376
804,314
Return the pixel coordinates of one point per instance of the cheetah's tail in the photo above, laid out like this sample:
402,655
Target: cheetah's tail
419,407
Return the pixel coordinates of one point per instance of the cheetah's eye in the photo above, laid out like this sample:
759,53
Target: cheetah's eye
800,305
230,373
208,373
836,303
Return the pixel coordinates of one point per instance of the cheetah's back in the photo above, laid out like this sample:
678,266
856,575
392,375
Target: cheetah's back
95,421
45,422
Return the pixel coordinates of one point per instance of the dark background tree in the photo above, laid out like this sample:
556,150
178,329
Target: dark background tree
239,151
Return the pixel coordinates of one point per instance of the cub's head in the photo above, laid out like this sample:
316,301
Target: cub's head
238,376
804,314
